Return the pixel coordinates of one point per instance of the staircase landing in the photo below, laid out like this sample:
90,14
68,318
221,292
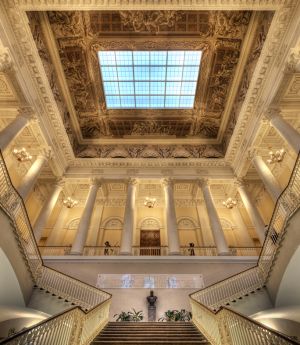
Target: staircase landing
146,333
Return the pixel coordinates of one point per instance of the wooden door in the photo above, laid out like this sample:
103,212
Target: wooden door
150,238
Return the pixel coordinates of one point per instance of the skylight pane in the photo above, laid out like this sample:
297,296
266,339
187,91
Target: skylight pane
109,73
126,88
149,79
174,73
142,88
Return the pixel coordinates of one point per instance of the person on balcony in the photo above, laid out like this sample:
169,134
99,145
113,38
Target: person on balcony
107,247
191,249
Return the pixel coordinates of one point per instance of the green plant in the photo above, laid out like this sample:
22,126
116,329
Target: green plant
176,315
133,316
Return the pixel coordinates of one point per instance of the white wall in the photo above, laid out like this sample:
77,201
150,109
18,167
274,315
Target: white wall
10,290
126,299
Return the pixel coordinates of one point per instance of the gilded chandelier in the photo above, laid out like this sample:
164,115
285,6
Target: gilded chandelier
22,155
276,157
230,203
69,202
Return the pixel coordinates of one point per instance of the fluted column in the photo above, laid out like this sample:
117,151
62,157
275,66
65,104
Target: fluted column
253,212
214,220
15,127
284,129
55,236
172,231
31,176
83,227
47,209
270,182
128,226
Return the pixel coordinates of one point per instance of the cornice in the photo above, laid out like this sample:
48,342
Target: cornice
253,104
64,5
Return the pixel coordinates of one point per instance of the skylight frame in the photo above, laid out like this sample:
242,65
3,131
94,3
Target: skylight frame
117,75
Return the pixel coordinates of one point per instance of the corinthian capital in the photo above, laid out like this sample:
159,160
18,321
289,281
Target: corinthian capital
203,182
272,113
6,63
293,60
167,182
239,182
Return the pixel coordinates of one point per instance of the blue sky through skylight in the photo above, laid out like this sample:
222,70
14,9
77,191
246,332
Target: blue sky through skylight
149,79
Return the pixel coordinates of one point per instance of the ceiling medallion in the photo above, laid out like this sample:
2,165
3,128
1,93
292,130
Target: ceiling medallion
150,21
229,203
69,202
22,155
276,157
150,202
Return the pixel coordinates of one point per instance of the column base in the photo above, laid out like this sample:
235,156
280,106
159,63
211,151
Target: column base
225,254
125,253
174,253
75,253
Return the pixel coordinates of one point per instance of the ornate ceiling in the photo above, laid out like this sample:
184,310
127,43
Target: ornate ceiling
68,43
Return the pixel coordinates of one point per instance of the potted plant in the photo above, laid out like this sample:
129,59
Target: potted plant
133,316
176,315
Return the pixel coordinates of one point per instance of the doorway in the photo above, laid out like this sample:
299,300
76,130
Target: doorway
150,242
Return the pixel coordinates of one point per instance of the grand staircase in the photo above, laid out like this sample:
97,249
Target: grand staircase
150,333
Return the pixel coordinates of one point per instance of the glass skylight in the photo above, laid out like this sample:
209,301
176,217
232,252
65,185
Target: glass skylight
149,79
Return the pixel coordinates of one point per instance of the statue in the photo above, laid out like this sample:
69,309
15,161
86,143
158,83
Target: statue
151,306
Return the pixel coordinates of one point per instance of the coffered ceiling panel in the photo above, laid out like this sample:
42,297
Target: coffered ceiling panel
68,43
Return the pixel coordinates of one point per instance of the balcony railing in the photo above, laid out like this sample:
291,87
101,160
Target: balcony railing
76,326
224,326
148,251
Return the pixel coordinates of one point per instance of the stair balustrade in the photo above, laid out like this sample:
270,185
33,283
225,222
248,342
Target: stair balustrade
224,326
76,326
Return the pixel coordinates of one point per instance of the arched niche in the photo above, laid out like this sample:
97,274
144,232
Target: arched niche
187,229
111,231
149,233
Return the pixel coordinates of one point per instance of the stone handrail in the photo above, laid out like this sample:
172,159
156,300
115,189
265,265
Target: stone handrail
151,251
208,304
90,299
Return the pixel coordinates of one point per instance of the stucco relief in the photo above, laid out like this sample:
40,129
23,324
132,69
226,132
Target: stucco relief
150,151
79,36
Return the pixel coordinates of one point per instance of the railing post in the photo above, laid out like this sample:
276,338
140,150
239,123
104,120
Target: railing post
224,330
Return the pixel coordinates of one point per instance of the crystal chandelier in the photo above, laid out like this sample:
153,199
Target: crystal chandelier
69,202
22,155
229,203
150,202
276,157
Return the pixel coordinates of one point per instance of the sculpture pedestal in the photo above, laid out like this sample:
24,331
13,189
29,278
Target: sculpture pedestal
151,313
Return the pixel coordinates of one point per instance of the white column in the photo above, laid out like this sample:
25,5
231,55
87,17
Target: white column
95,223
253,212
284,129
55,237
15,127
128,226
172,231
46,211
204,223
83,227
31,177
214,220
242,230
267,177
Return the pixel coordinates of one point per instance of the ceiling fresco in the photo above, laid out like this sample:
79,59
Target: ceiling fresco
68,43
